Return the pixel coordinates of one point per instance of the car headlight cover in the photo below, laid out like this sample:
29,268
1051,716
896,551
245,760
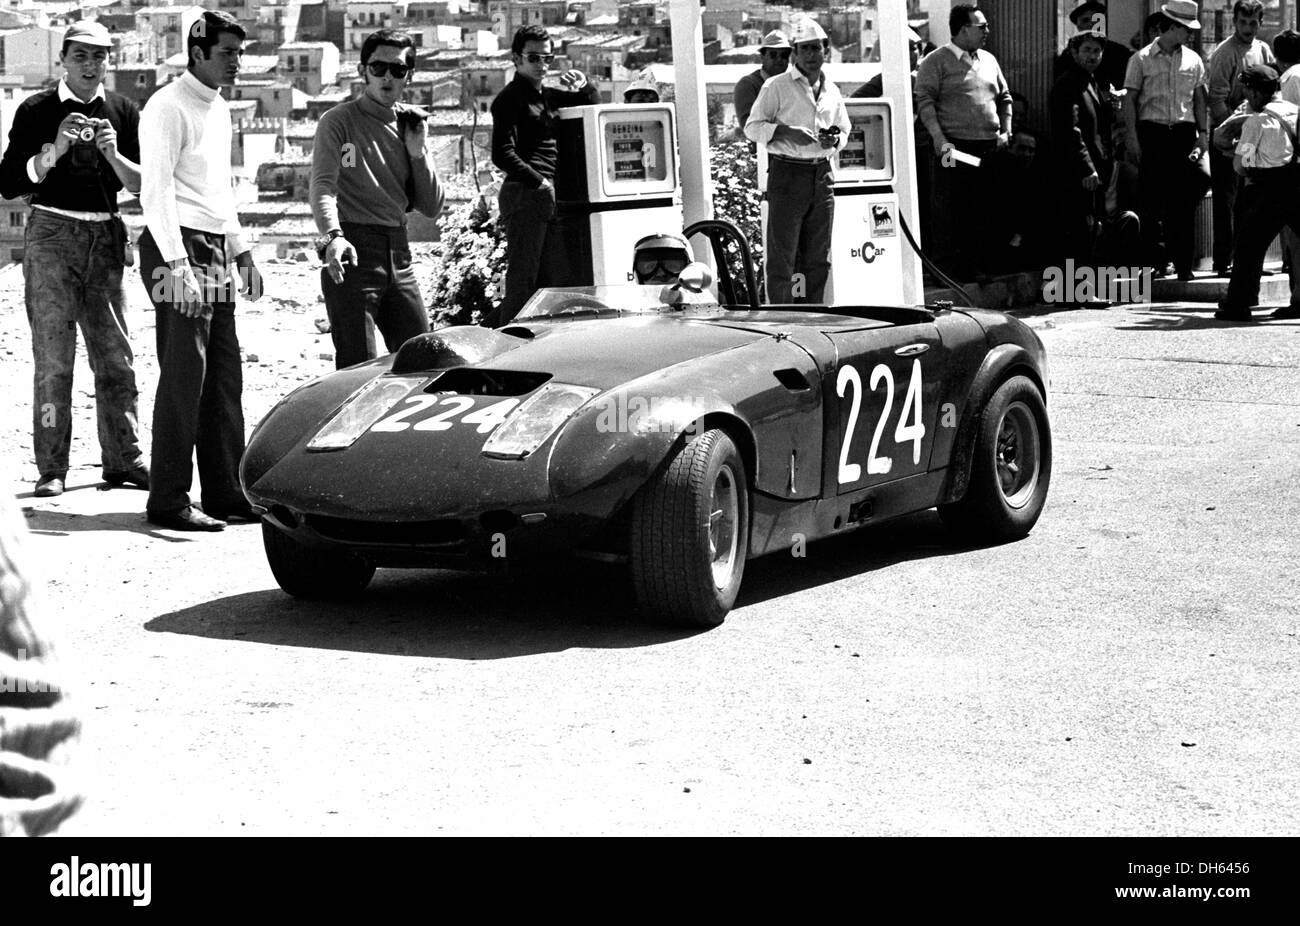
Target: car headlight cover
535,419
366,406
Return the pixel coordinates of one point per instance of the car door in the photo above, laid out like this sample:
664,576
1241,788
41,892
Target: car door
881,400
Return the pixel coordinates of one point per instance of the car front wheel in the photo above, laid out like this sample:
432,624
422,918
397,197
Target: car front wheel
1011,467
310,572
690,534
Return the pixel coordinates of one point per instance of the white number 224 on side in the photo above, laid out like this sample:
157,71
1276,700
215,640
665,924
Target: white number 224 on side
910,427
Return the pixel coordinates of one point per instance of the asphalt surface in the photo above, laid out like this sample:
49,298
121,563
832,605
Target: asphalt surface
1128,669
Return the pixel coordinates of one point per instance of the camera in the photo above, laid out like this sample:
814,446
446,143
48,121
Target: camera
84,154
829,132
87,133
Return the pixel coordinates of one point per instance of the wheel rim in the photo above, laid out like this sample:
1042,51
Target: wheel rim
1017,454
724,527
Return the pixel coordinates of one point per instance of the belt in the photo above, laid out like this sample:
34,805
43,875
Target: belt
1165,125
801,161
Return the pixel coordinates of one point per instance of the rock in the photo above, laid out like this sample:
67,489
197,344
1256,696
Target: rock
323,325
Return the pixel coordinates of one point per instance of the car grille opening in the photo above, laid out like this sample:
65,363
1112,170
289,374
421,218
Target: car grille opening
470,381
416,533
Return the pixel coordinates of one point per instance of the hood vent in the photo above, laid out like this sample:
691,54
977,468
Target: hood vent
470,381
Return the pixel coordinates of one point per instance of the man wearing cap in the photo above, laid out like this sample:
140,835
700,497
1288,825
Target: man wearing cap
1090,16
641,91
1167,135
963,101
774,54
800,117
71,150
1262,140
1225,93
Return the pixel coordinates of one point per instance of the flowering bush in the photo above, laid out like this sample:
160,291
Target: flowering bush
469,265
470,258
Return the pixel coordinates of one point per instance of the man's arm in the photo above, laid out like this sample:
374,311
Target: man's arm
327,155
15,180
743,97
1200,114
428,192
1004,103
122,150
1133,84
929,78
1067,136
1223,66
162,137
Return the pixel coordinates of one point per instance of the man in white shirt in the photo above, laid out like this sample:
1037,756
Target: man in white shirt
1286,48
193,235
800,117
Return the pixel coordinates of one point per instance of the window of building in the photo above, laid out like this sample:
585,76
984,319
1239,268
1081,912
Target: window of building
141,80
288,63
16,219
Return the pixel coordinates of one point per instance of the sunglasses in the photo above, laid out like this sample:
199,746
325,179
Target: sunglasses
646,266
380,68
533,58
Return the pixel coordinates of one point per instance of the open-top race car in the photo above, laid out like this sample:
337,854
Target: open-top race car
640,424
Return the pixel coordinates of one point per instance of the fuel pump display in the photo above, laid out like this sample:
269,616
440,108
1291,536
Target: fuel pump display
866,250
616,181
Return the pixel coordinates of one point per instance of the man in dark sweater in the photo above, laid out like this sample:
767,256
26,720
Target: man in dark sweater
71,150
523,145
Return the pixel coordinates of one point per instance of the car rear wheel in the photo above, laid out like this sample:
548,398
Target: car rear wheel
690,534
311,572
1011,468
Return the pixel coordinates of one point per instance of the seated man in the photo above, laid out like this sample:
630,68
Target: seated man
660,258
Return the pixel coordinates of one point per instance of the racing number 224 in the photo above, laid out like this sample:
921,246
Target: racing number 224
910,427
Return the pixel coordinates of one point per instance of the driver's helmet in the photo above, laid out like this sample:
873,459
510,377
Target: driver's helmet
660,258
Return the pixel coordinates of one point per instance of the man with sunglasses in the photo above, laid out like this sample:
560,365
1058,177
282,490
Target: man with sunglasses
775,56
800,117
523,145
369,169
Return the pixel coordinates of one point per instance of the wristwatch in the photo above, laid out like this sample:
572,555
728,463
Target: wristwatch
323,241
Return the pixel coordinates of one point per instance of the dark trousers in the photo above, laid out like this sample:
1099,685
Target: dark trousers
965,204
800,212
1223,186
200,382
1267,203
72,273
381,288
1080,214
1170,187
534,250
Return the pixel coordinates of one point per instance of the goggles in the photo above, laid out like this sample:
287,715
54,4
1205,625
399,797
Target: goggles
534,58
380,68
648,265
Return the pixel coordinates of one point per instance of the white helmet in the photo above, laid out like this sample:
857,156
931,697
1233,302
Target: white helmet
807,29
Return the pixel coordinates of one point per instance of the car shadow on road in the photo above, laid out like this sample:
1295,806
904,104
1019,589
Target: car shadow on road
439,614
917,536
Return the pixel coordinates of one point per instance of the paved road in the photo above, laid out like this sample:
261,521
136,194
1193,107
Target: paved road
1128,669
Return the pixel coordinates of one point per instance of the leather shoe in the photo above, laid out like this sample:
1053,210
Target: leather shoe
137,476
49,486
242,515
1287,311
1234,315
188,518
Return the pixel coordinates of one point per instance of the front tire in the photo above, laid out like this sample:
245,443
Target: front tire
1011,468
310,572
690,534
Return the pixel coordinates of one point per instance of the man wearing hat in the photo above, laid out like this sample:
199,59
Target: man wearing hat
72,149
775,55
1090,16
1225,93
1262,142
1166,120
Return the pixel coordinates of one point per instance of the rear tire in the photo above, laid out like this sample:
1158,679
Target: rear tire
311,572
1011,467
690,534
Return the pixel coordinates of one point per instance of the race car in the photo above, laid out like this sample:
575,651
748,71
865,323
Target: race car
657,427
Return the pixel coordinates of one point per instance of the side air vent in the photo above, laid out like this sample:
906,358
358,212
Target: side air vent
792,380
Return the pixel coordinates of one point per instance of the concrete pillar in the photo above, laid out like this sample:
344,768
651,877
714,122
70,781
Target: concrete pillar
692,110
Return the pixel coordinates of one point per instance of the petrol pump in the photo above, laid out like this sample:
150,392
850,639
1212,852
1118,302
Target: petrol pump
616,181
866,240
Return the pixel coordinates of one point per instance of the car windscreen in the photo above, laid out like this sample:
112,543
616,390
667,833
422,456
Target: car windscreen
610,300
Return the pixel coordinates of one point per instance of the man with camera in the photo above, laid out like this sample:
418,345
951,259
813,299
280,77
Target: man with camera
800,116
71,150
369,168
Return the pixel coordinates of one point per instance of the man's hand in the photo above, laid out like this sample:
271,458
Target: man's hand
416,135
64,137
941,144
1004,139
250,278
106,139
573,80
1091,182
181,289
796,134
337,253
